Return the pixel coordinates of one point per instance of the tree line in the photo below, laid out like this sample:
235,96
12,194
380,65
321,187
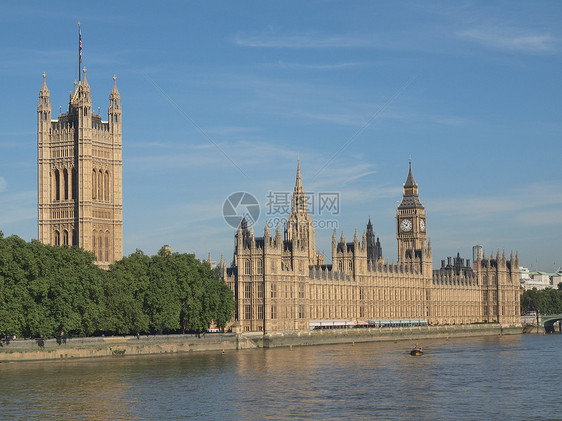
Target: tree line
546,301
52,290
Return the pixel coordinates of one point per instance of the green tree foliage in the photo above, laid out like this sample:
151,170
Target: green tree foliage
46,290
546,301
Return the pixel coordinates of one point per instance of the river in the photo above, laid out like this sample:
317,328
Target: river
508,378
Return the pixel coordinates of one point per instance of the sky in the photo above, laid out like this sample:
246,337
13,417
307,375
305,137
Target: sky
224,97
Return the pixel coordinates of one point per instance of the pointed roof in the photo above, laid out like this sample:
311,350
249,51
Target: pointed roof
410,182
44,89
410,197
298,183
84,81
114,92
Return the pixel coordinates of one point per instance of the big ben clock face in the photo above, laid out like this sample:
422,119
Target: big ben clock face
406,225
422,225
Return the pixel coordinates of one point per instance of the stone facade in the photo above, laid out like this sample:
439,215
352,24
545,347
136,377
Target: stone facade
79,174
281,284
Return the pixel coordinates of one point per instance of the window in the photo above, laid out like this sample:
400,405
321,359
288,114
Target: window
301,291
247,267
57,185
74,185
301,311
260,267
94,249
273,290
247,312
100,186
65,176
273,265
65,237
247,290
273,312
94,184
361,294
350,266
106,246
106,186
57,238
260,291
260,312
340,266
100,248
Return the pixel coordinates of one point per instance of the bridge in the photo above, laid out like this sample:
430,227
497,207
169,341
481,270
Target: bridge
549,321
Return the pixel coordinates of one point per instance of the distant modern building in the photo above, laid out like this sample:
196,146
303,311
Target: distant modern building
477,253
282,284
538,280
79,174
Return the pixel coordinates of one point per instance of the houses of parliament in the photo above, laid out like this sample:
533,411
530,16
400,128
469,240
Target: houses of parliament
280,282
79,174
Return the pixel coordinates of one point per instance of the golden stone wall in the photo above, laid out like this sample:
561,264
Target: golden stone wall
80,174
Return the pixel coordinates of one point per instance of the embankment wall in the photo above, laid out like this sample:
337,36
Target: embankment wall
28,350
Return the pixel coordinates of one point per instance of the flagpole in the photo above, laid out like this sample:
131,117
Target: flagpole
79,50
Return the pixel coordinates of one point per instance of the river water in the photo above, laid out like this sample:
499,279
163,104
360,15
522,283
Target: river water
508,378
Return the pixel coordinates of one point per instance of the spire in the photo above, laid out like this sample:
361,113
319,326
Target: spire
410,197
410,182
114,92
84,81
298,184
44,89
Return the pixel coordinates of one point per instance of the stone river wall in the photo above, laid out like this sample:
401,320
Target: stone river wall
118,346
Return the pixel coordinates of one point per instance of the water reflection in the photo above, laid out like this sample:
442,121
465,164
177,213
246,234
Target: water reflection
491,377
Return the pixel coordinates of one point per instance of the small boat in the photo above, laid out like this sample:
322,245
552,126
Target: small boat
417,350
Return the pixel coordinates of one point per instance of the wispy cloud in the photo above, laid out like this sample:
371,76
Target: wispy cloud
529,204
3,184
304,40
511,40
307,66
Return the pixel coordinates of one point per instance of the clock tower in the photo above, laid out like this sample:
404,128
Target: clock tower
411,227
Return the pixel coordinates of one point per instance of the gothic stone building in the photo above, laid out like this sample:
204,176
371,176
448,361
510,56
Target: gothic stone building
79,174
282,284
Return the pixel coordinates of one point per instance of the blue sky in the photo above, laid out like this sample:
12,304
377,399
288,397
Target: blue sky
220,97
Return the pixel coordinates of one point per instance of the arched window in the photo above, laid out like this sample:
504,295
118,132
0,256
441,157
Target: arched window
57,185
100,186
65,237
100,248
94,184
106,185
65,177
57,238
247,267
106,246
94,245
74,185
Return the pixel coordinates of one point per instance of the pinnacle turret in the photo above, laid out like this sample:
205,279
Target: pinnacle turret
44,92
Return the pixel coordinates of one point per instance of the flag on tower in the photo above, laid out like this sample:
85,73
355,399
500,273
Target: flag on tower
79,50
